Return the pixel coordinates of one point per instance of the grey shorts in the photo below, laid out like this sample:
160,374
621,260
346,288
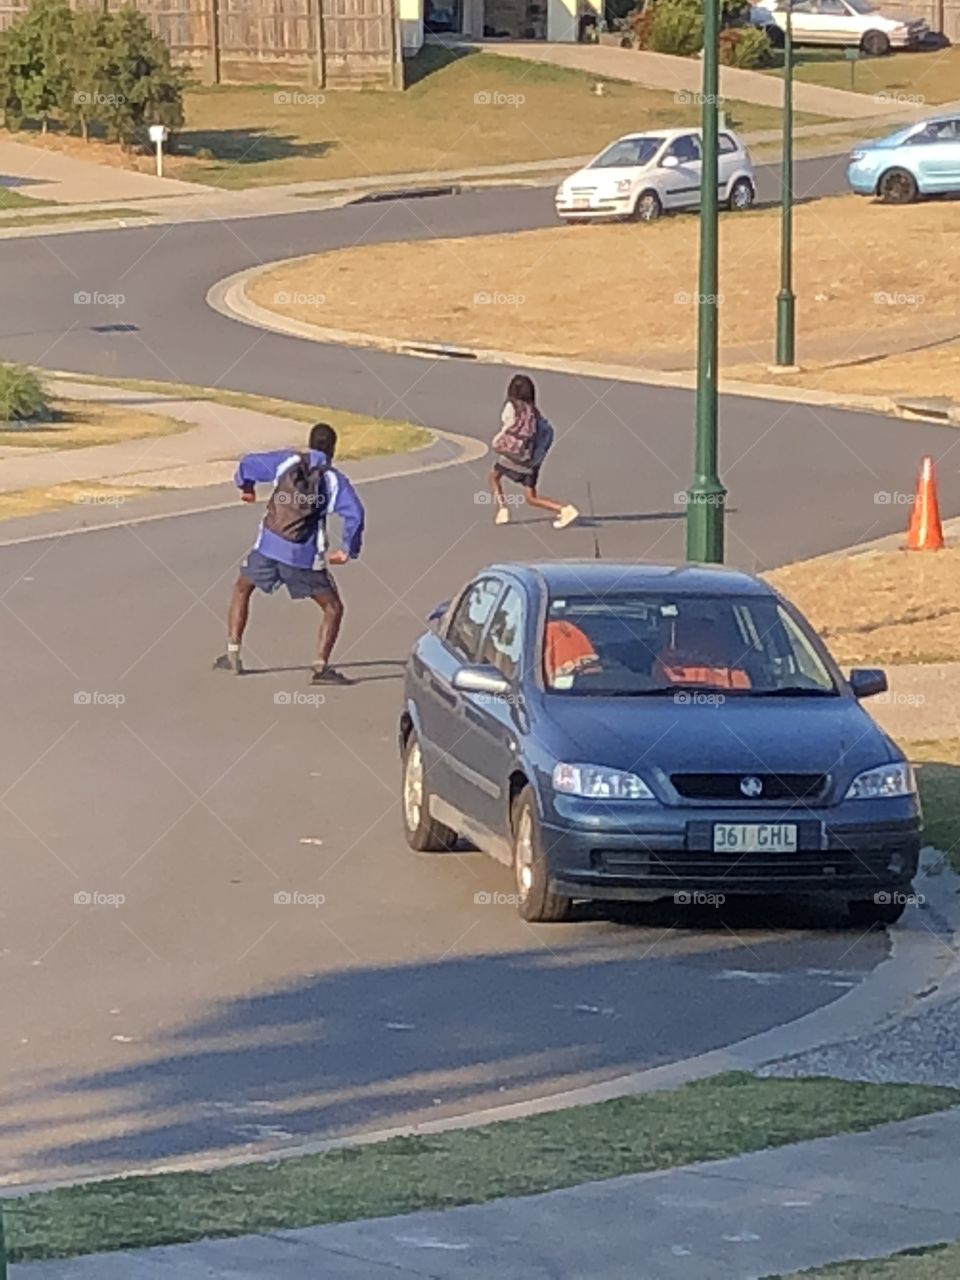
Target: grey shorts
301,584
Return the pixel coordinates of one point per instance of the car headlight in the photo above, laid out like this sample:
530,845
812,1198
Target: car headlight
885,780
594,782
858,155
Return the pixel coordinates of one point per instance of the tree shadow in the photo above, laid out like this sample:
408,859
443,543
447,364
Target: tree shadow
431,59
242,146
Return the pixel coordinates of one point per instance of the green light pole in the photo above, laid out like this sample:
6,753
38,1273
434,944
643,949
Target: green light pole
786,299
706,495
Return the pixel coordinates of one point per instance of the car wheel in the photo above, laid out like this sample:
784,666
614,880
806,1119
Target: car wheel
648,207
868,913
423,832
875,44
536,901
741,195
897,186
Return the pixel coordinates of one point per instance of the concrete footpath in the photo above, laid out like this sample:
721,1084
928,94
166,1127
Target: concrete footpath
766,1214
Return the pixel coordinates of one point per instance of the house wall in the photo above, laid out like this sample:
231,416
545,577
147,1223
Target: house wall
411,25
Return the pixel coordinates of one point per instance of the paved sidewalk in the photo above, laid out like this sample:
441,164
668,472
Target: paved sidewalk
757,1215
50,175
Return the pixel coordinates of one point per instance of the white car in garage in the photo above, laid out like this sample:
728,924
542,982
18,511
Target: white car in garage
643,174
852,23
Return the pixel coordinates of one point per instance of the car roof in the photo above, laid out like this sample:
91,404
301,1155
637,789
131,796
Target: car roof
665,134
577,576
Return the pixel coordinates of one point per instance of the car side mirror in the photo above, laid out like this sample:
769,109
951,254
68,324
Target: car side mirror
867,681
669,162
436,613
481,680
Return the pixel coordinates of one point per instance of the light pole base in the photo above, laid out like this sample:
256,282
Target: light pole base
706,502
784,368
786,328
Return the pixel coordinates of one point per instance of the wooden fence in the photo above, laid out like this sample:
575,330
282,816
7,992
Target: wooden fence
328,43
940,15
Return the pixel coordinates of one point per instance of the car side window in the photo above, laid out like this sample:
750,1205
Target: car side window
470,617
833,8
686,149
727,144
503,645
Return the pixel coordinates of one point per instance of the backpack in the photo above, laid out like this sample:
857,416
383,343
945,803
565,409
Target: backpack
298,502
516,443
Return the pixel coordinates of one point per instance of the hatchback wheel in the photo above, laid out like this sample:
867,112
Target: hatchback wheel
897,186
648,207
536,900
423,833
875,44
868,913
741,195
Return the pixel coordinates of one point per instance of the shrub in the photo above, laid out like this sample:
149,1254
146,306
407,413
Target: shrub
745,47
677,28
22,397
641,24
34,53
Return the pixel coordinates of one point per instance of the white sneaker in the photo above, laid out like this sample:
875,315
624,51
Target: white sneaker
502,516
567,515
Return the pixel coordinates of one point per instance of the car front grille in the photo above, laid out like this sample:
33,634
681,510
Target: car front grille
814,868
742,787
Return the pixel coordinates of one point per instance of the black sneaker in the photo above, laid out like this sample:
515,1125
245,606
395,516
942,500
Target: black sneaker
229,662
329,675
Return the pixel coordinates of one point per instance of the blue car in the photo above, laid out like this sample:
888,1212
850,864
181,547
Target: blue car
622,731
920,160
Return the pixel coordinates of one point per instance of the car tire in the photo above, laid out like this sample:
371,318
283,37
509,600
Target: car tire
424,833
742,195
648,207
536,901
897,186
875,44
868,913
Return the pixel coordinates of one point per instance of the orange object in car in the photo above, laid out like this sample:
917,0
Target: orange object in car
716,677
566,650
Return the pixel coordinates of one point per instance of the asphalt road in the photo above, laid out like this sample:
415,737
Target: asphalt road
197,1015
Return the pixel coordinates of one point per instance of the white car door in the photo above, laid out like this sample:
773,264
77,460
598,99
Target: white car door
682,172
805,18
837,24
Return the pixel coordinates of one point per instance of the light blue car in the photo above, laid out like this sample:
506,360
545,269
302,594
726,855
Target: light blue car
922,159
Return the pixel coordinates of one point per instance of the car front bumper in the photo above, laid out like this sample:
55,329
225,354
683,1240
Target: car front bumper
862,179
614,207
855,849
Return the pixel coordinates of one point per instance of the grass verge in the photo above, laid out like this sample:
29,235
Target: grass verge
536,291
934,370
80,215
78,424
10,198
358,435
910,78
707,1120
938,777
881,606
936,1262
81,493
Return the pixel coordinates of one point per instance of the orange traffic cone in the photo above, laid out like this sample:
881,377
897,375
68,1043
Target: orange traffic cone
925,532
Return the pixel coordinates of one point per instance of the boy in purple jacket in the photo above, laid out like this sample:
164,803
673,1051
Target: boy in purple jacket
291,546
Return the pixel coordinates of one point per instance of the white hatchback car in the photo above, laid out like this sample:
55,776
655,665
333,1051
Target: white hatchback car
853,23
642,174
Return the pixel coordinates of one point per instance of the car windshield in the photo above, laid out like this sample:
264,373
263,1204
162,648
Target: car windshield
628,153
655,643
861,6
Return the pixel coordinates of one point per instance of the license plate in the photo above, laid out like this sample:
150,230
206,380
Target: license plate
773,837
581,202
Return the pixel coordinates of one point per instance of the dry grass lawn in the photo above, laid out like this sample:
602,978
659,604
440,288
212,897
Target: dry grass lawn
923,76
82,424
627,292
85,495
880,607
931,372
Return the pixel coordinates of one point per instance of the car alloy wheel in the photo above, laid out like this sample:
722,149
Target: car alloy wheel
536,901
524,855
741,196
875,44
897,186
413,787
648,207
424,833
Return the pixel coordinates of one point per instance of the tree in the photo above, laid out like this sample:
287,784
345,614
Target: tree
145,88
35,53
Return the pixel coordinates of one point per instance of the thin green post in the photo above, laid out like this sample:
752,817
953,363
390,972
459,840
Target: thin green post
786,299
706,495
3,1247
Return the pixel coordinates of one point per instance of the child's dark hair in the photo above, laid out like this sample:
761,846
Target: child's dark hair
323,439
521,387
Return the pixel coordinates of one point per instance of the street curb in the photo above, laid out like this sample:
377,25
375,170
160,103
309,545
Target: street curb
229,298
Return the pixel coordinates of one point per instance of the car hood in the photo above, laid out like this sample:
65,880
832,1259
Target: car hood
606,176
775,735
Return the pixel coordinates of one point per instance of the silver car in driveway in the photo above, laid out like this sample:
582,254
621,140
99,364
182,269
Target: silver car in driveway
642,174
